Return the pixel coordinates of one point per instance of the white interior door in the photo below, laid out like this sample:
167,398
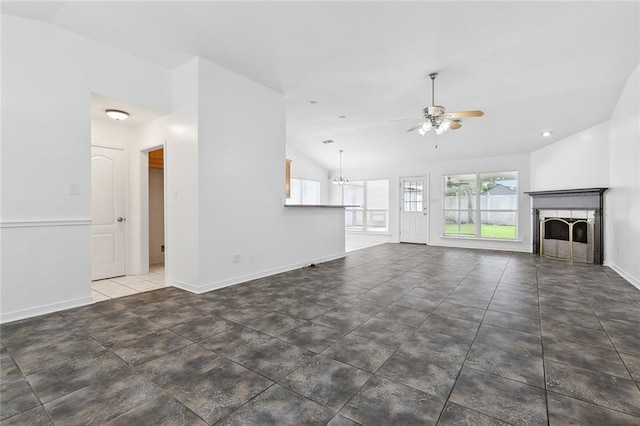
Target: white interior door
413,210
107,212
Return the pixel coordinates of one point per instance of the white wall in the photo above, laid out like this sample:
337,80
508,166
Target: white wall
622,221
605,155
48,75
181,168
302,167
435,171
579,161
245,230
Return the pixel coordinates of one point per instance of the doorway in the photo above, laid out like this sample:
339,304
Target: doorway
156,211
413,210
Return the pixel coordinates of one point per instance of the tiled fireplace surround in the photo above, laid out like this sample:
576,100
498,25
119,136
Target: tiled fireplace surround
570,205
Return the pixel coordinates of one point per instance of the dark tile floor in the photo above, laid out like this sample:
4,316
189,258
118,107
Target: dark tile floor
390,335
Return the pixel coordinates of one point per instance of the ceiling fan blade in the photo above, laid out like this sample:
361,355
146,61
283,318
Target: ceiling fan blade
417,126
463,114
454,125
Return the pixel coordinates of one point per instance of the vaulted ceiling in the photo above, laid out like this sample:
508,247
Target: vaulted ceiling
530,66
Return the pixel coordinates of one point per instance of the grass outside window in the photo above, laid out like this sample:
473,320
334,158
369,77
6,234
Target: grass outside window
486,231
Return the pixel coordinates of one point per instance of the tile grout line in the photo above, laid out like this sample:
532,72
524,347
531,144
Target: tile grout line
472,342
544,364
609,337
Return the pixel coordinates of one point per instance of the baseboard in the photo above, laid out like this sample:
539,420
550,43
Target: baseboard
46,309
624,274
184,286
481,247
254,276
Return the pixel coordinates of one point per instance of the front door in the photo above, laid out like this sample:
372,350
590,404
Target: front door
413,210
107,212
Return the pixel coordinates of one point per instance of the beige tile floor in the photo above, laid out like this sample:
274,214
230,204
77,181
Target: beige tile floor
128,284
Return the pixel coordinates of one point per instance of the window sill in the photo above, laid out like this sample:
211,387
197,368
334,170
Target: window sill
502,240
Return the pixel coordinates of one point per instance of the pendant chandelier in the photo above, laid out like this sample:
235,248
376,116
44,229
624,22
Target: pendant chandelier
341,180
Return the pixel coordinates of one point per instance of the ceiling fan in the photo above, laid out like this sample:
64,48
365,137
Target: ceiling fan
436,118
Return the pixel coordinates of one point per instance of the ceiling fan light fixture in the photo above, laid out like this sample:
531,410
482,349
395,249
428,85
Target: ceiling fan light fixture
434,116
546,133
434,110
117,114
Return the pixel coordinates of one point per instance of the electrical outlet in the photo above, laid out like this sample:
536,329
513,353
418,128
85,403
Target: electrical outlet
236,258
74,189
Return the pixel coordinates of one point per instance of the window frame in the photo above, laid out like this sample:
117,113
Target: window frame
366,228
477,208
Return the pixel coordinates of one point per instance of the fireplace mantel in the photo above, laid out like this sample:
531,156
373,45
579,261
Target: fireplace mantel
584,198
570,199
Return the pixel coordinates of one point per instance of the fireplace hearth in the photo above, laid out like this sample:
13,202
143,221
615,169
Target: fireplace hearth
567,224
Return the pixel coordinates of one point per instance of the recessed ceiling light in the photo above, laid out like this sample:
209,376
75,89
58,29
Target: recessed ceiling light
312,102
546,133
116,114
342,116
327,141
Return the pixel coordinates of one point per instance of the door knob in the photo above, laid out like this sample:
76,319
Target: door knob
121,219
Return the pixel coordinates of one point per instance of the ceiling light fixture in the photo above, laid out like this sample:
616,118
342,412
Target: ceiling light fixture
546,134
116,114
312,102
435,117
342,116
340,180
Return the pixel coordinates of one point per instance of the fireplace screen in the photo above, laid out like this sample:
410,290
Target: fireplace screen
567,238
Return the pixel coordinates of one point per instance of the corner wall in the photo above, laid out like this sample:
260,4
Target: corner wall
579,161
622,221
605,155
245,230
48,75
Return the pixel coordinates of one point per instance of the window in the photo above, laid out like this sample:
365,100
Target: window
483,205
372,197
304,191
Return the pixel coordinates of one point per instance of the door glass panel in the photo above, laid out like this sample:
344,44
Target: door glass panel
412,196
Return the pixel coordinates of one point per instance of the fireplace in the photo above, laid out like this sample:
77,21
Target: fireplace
567,224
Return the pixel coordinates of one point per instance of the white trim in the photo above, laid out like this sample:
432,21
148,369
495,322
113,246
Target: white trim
244,278
109,146
45,309
481,247
44,223
624,274
462,237
385,234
